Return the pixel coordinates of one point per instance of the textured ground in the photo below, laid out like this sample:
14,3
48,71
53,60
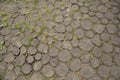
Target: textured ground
60,40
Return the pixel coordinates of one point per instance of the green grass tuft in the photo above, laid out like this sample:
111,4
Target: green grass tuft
91,55
42,28
2,76
4,24
35,1
84,1
30,37
48,10
1,45
18,26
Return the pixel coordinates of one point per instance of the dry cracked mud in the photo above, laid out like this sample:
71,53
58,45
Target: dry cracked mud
60,40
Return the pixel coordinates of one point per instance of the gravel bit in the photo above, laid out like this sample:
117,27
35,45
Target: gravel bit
103,71
26,68
76,52
96,40
20,60
117,59
102,9
37,66
30,59
107,47
60,28
38,56
23,50
72,76
105,37
96,77
79,33
36,76
75,65
32,50
115,71
111,28
67,45
86,24
97,52
86,44
47,71
5,31
85,58
54,61
107,59
99,28
9,58
53,52
45,59
10,75
87,71
95,62
43,48
62,69
59,18
64,56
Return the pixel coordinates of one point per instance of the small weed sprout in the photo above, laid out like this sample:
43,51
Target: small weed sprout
1,45
2,76
84,1
17,26
42,28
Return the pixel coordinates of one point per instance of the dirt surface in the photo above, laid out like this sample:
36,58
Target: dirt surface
60,40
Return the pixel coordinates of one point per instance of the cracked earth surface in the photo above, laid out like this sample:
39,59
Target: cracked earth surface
60,40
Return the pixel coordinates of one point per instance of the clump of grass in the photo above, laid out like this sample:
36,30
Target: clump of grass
3,0
8,0
53,17
26,27
27,78
51,79
50,46
4,24
2,76
78,73
31,29
17,26
91,3
91,56
30,37
55,38
1,45
84,1
48,10
28,0
44,39
45,33
3,13
74,38
42,28
35,1
4,19
72,11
